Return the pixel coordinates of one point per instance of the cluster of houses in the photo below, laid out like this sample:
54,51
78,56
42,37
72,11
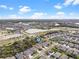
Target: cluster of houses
68,42
30,53
60,45
44,51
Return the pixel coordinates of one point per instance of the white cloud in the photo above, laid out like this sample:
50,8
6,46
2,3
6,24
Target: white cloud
57,6
63,17
72,14
76,2
11,8
69,2
38,15
15,17
3,6
55,17
6,7
60,13
42,15
24,9
11,17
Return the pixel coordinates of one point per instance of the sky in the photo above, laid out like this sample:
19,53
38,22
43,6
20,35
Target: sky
39,9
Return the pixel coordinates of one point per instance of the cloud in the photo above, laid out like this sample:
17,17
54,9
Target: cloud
60,13
71,2
11,17
24,9
3,6
68,2
38,15
57,6
42,15
72,14
15,17
63,15
76,2
6,7
11,8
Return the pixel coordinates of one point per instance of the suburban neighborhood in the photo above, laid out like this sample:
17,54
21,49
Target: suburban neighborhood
30,40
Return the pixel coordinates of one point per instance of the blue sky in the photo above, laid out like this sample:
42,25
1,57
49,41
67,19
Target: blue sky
39,9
